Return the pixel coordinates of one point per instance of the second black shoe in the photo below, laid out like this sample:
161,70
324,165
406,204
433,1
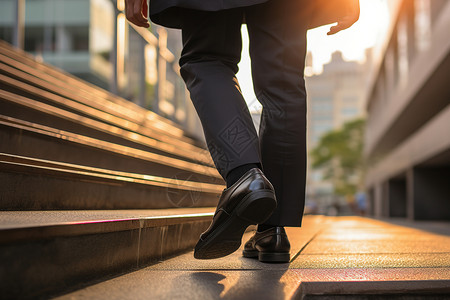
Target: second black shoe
250,200
271,245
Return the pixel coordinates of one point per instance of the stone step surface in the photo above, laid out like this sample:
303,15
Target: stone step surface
22,97
64,84
331,258
36,184
33,140
47,252
82,121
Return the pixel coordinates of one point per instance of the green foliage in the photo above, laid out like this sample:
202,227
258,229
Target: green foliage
339,154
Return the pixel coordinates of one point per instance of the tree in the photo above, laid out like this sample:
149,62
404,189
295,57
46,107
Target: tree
340,154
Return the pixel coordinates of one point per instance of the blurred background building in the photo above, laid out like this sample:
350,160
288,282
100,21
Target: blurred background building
408,128
92,40
335,96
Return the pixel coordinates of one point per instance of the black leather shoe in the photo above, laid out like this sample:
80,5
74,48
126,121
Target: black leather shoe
250,200
271,245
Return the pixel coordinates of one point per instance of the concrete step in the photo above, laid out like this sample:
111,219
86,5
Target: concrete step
36,184
28,109
21,83
47,252
33,140
331,258
68,85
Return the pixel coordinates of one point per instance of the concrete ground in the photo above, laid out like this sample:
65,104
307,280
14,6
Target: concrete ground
331,258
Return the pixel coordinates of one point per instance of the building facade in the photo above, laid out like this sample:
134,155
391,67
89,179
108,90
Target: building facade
408,126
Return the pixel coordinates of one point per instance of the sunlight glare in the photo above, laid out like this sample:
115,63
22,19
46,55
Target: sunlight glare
353,42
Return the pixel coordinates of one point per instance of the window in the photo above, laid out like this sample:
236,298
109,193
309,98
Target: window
322,117
78,38
322,107
39,38
6,33
349,112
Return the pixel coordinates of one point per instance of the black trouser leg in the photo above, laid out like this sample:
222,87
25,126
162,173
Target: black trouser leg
211,51
278,49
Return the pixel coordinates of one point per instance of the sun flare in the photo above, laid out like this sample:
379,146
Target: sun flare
353,42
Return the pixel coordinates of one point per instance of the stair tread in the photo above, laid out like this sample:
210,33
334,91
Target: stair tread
79,170
96,116
110,147
48,252
108,100
27,219
75,186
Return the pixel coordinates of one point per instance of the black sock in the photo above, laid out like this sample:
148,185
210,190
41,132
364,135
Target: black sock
264,227
237,173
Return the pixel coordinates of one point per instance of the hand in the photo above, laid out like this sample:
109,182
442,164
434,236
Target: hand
351,16
136,12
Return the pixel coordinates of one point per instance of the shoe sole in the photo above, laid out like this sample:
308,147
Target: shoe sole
255,208
250,253
273,257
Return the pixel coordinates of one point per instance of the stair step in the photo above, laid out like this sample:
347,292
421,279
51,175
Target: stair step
70,85
33,140
47,252
69,186
33,111
38,89
91,185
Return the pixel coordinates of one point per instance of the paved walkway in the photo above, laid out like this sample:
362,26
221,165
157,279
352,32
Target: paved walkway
330,256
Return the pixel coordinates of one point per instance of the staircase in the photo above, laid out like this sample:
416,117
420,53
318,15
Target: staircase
91,185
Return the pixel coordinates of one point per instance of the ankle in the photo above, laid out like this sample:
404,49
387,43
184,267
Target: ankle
236,173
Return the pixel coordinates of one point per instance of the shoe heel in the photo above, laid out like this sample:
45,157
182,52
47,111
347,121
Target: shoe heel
274,257
258,207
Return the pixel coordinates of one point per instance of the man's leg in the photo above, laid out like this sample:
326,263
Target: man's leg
211,51
278,48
